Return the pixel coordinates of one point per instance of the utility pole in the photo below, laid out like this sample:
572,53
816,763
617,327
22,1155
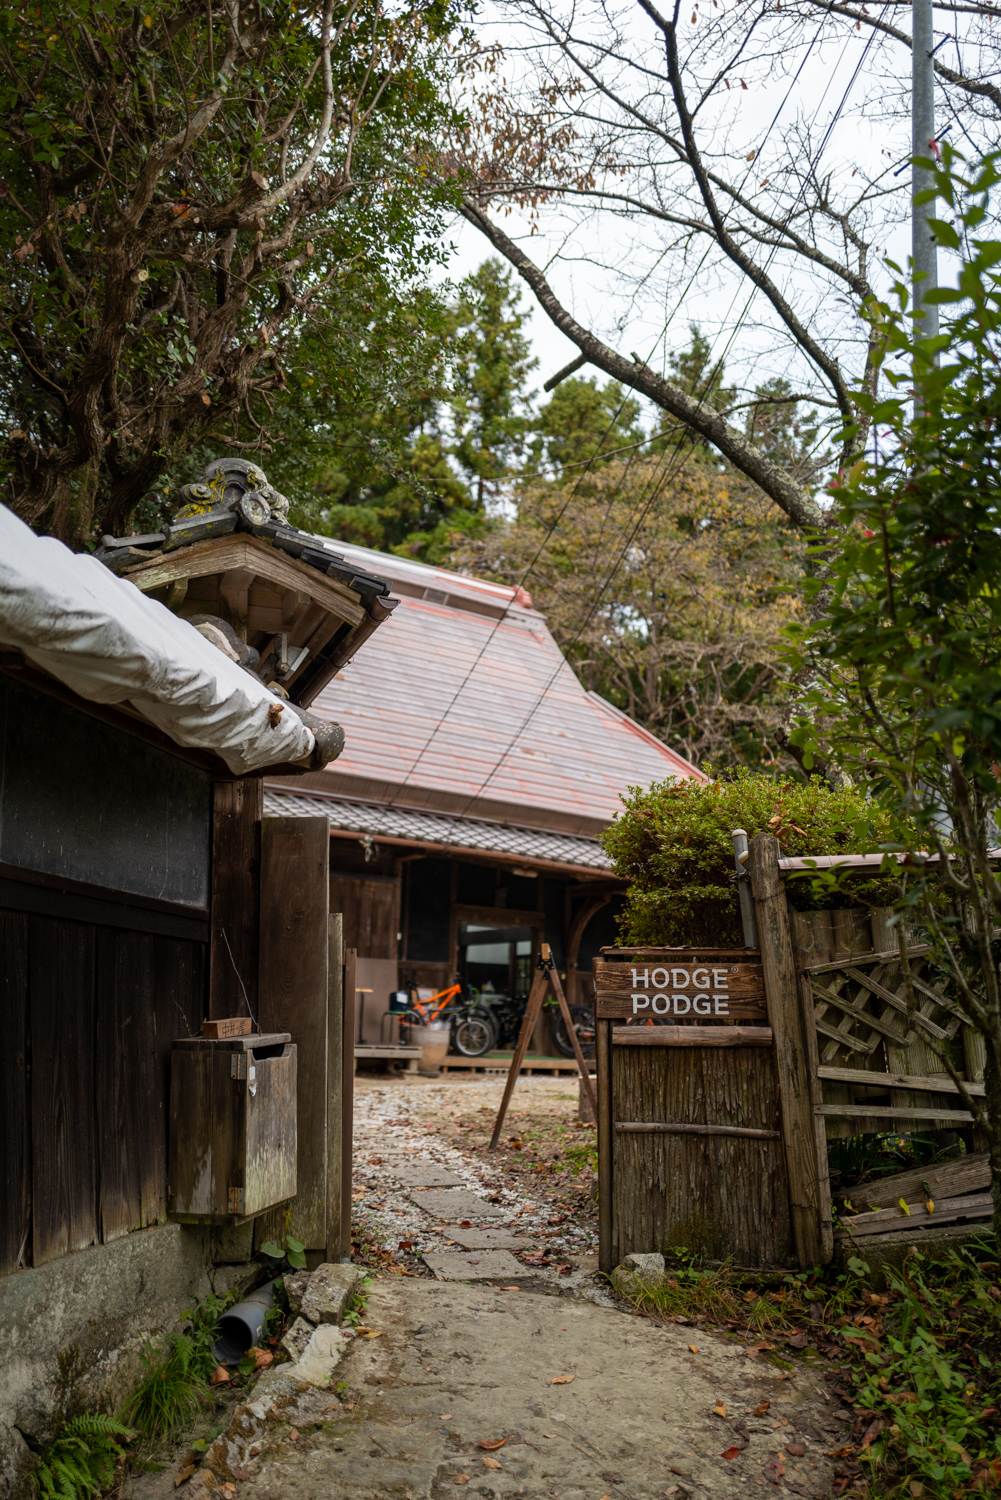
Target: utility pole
923,250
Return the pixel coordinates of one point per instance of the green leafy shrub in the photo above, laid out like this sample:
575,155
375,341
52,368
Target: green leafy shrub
674,844
81,1460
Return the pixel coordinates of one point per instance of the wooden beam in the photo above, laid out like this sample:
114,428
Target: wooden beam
884,956
898,1081
894,1112
603,1058
670,1127
335,1084
294,993
950,1179
782,997
890,998
886,1220
536,995
348,1097
220,554
582,1067
234,913
692,1036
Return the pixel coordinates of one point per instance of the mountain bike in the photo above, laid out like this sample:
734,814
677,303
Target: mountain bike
472,1030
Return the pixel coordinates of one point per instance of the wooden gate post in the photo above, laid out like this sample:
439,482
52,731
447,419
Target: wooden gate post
782,997
335,1082
293,993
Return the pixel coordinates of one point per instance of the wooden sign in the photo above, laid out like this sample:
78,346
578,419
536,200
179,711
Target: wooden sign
231,1026
680,985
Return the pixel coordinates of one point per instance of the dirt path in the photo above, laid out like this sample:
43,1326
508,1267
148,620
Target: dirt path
457,1366
518,1378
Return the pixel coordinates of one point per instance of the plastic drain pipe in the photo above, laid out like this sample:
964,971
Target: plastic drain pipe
239,1329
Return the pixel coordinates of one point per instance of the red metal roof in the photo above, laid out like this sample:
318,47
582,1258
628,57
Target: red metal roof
462,701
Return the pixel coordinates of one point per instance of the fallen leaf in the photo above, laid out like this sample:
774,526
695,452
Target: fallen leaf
447,1417
220,1376
492,1443
293,1436
795,1450
262,1358
461,1479
929,1205
904,1208
549,1434
206,398
797,1340
562,1379
465,1224
241,1474
761,1408
719,1409
731,1452
491,1463
694,1348
184,1475
916,1488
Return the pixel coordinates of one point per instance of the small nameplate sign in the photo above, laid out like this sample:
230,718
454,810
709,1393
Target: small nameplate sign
680,986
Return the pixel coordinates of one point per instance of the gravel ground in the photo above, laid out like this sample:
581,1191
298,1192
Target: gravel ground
539,1182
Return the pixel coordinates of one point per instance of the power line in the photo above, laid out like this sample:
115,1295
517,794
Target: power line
682,438
527,573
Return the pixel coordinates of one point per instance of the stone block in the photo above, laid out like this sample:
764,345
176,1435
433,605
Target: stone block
483,1265
456,1204
298,1336
295,1290
650,1264
637,1271
489,1239
328,1292
323,1353
425,1175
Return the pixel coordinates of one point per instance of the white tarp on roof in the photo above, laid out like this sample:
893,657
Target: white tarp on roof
106,641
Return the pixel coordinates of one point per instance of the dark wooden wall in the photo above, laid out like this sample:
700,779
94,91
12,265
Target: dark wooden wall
90,1009
370,906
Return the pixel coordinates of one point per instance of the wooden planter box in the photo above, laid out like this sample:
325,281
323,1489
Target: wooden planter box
232,1127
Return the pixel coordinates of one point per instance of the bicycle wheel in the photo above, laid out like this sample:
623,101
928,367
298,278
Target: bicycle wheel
583,1025
473,1035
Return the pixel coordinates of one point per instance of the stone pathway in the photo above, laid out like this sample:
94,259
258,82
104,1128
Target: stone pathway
413,1188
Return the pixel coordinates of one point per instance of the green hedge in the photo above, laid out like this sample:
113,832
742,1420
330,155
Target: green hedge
674,844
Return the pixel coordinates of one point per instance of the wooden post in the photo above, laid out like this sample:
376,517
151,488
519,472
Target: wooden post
347,1097
293,993
335,1083
536,995
235,911
782,997
603,1055
582,1068
819,1123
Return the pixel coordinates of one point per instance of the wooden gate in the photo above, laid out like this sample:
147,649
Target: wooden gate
689,1119
713,1128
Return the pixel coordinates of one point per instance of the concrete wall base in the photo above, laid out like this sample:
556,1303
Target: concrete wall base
73,1329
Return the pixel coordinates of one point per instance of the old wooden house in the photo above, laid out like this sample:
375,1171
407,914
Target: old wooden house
465,811
140,893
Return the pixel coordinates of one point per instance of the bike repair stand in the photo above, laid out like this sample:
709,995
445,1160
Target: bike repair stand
545,975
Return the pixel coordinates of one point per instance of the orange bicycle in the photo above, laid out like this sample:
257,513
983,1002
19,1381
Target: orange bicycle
472,1028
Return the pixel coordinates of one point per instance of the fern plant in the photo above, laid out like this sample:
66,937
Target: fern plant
81,1460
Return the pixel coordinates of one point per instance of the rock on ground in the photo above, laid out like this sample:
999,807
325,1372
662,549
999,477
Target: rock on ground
590,1402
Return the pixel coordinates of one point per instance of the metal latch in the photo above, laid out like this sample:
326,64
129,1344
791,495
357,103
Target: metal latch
238,1065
